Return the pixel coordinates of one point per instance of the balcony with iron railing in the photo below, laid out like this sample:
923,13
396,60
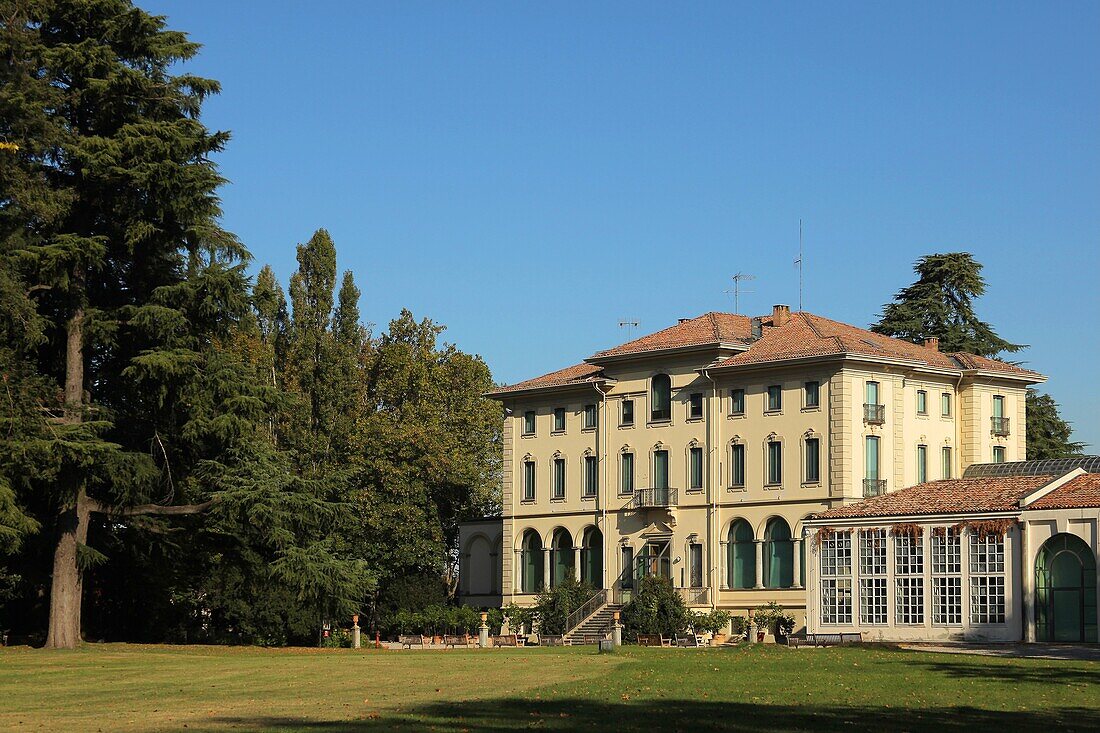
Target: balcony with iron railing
654,498
1000,426
874,486
874,414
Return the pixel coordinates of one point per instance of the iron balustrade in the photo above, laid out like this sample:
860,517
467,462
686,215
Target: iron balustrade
586,609
874,414
874,486
644,498
695,596
1000,426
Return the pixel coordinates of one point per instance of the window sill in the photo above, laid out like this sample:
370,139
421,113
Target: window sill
773,487
588,497
811,484
768,413
527,502
736,416
695,491
528,435
659,423
815,408
736,490
588,430
558,501
626,426
557,432
694,419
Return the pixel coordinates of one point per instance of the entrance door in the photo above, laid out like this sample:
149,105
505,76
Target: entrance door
1065,591
655,560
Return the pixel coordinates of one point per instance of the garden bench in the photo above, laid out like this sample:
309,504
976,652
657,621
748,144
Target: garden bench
834,639
650,640
453,641
410,640
549,640
505,640
691,640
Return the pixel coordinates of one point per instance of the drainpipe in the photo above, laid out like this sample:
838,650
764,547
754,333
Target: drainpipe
711,498
601,496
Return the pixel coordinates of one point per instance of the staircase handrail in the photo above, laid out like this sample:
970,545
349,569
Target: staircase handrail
586,609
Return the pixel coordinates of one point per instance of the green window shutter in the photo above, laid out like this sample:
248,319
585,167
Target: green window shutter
660,469
696,468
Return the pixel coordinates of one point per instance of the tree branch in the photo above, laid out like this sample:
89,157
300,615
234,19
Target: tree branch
158,509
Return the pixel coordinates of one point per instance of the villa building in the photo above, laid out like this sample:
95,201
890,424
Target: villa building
699,452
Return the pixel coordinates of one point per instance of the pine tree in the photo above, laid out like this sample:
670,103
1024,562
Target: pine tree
1048,435
941,303
110,209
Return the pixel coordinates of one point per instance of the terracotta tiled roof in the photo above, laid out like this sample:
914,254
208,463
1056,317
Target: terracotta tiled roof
709,328
1079,493
962,495
973,361
809,335
576,374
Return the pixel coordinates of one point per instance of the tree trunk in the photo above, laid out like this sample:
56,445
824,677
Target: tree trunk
68,580
72,525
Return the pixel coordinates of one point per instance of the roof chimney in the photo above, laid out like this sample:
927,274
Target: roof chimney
780,314
932,342
682,320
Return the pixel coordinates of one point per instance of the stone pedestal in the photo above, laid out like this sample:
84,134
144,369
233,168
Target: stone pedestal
483,632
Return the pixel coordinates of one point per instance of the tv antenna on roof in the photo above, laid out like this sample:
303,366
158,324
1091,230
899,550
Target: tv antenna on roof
737,280
798,263
629,325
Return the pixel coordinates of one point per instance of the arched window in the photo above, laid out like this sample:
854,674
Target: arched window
531,555
741,564
660,397
592,557
561,564
778,554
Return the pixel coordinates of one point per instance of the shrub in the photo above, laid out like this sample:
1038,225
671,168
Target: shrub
554,606
655,609
712,622
517,616
740,626
772,617
465,620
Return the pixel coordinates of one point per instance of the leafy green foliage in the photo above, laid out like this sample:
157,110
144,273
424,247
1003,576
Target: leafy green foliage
713,621
941,304
553,606
772,617
656,608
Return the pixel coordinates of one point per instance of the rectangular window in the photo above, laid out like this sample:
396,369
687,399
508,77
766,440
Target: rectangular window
871,458
528,480
737,402
987,579
696,456
626,473
695,554
628,412
998,406
922,464
812,392
737,464
626,577
998,454
836,578
775,463
589,417
945,404
909,579
559,478
591,475
872,577
529,422
871,393
695,406
922,402
947,462
559,419
946,576
813,460
660,469
775,398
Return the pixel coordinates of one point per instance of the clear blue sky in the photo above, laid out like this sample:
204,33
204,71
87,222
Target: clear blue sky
529,174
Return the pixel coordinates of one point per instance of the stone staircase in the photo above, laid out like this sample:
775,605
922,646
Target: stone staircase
595,627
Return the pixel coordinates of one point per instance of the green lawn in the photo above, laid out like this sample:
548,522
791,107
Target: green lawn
147,688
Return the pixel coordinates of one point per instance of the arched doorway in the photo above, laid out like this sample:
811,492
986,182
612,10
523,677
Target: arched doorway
532,562
561,564
1065,590
741,563
592,557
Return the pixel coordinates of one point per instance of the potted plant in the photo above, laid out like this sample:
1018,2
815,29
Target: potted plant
784,627
771,617
712,623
